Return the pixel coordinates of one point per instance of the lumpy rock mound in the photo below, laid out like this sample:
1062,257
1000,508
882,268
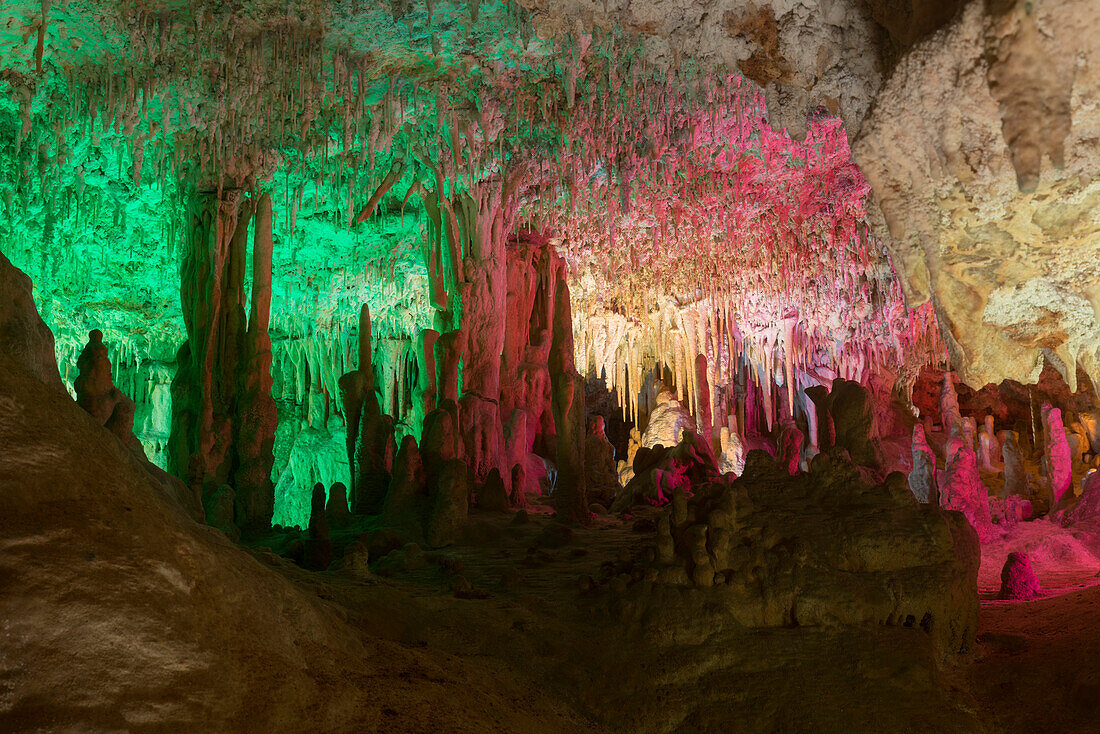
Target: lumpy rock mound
1018,579
827,549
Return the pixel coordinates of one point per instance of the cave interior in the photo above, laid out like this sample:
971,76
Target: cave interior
636,366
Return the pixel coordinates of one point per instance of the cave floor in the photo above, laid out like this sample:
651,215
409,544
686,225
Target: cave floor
1036,664
524,618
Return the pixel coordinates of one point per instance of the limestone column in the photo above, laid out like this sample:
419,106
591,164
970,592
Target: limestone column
702,400
567,402
256,411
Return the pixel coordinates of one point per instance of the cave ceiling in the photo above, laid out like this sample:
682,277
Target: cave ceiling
680,155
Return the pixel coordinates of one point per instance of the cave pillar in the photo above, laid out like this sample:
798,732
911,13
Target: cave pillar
256,411
223,422
484,299
424,396
567,402
449,349
370,442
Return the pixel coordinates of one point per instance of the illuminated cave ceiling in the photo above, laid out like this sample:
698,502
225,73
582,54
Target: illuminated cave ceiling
634,150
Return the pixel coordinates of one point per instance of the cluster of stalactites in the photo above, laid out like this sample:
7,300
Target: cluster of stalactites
777,361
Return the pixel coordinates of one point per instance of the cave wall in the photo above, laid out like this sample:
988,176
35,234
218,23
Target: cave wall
982,151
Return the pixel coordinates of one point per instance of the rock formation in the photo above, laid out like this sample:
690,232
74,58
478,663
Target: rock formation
318,545
24,337
223,422
449,504
922,479
97,395
1016,481
1018,579
1057,459
854,420
600,478
697,545
732,457
369,430
962,487
1021,146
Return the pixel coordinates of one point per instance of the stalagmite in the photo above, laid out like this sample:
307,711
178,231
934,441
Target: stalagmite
336,507
789,447
370,431
449,350
424,396
567,401
318,546
97,395
962,487
702,399
1057,459
988,448
949,404
732,458
600,479
826,429
1016,480
969,431
922,479
223,420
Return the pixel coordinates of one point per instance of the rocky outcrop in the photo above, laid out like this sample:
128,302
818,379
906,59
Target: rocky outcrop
988,203
24,336
824,549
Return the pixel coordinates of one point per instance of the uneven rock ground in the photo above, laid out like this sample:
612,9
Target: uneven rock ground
120,614
1035,665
